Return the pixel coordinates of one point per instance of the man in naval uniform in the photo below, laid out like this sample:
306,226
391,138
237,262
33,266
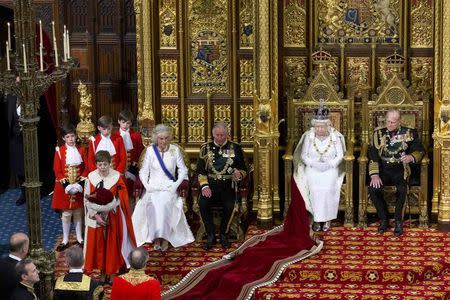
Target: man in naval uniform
220,167
393,149
75,285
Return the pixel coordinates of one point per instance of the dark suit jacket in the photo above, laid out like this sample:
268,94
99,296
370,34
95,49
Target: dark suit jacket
8,277
60,294
21,293
15,138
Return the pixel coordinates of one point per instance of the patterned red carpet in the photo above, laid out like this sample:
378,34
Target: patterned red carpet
355,263
362,264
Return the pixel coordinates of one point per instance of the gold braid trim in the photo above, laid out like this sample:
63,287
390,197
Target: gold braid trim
202,180
83,285
136,277
97,293
373,168
418,155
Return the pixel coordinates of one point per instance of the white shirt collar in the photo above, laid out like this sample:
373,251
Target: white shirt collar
15,257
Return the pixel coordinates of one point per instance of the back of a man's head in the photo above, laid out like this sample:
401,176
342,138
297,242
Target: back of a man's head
18,244
74,257
138,258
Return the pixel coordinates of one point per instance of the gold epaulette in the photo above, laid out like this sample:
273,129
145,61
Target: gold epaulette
83,285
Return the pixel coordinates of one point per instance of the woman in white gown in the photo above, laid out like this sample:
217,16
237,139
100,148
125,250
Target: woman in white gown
158,217
319,170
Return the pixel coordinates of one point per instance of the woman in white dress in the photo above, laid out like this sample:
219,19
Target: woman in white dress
158,217
318,169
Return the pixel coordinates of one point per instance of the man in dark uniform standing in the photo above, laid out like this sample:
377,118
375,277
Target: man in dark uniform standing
393,148
16,144
220,167
76,285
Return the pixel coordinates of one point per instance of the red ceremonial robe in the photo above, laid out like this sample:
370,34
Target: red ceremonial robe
257,263
61,200
118,161
107,248
135,285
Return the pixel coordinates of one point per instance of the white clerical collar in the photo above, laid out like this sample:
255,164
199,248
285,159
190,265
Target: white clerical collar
106,144
15,257
76,270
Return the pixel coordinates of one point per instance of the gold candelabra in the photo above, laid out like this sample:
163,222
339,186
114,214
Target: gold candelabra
23,77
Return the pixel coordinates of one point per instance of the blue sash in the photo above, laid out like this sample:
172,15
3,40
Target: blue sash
161,163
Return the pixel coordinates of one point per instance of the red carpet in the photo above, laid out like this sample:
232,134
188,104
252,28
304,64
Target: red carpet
362,264
353,264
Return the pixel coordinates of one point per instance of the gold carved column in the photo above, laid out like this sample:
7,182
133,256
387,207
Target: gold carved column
143,10
266,111
441,135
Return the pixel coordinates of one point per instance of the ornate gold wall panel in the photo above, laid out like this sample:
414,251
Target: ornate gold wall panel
383,72
196,123
422,21
358,70
422,73
246,24
222,113
358,21
208,36
170,116
169,77
246,77
247,123
168,24
294,76
294,23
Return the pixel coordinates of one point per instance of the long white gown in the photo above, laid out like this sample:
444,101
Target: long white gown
320,188
159,214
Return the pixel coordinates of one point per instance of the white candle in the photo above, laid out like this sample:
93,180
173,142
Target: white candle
64,47
41,57
68,44
8,67
40,33
56,54
53,31
25,68
9,36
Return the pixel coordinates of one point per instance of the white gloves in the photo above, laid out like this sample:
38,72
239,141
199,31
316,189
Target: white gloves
320,166
73,189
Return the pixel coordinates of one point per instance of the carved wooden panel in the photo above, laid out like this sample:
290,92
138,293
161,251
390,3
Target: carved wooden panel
103,38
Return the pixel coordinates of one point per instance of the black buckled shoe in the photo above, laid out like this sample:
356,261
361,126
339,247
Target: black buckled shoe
384,225
224,241
398,230
211,241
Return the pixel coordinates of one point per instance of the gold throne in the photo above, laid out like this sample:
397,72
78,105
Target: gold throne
300,113
394,94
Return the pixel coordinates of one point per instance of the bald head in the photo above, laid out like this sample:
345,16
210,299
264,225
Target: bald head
18,244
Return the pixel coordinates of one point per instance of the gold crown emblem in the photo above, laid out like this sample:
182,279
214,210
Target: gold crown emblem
321,57
395,60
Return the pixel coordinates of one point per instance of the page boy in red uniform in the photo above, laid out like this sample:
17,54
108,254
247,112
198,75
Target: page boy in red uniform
134,147
113,144
70,171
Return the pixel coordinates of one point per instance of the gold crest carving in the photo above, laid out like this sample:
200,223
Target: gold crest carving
358,21
422,18
169,116
246,24
169,77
